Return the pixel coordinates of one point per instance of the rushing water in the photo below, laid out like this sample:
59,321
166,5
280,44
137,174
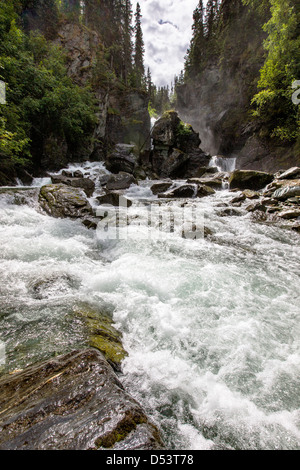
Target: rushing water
223,163
211,325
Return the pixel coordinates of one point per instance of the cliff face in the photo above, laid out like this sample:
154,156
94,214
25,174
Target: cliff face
217,103
122,111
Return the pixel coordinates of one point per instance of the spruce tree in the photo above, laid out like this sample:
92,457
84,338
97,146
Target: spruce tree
139,49
197,47
211,17
127,33
40,15
71,7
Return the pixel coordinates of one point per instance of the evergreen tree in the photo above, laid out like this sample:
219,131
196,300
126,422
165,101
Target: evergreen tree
127,38
71,7
40,15
149,83
197,47
139,49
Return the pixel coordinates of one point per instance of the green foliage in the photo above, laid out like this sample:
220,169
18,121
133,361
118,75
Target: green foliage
273,104
152,111
13,146
184,129
41,99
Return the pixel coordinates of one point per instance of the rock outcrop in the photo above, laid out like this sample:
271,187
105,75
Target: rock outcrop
121,111
72,402
176,152
121,159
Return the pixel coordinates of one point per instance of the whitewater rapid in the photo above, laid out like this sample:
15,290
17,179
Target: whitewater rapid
211,325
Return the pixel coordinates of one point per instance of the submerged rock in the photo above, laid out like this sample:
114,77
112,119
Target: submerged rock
72,402
60,200
45,287
247,179
21,195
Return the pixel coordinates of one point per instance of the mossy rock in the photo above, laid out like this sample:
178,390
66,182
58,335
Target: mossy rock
101,333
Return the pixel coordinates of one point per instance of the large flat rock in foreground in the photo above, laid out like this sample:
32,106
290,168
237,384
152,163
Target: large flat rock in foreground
72,402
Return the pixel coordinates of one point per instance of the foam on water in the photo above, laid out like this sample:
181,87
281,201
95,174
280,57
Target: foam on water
211,325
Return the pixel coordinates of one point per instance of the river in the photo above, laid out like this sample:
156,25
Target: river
211,324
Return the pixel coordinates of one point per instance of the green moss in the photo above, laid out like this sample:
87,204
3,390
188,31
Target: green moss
130,421
101,333
184,129
113,111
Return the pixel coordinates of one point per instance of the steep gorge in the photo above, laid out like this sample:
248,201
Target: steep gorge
216,100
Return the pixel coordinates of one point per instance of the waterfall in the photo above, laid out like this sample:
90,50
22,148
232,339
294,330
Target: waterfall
223,164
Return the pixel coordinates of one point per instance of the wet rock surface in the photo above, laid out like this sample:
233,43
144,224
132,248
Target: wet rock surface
72,402
76,182
60,200
120,181
102,333
183,191
247,179
114,198
121,159
161,187
277,203
176,151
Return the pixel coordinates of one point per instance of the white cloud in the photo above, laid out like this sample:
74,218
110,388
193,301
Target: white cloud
167,30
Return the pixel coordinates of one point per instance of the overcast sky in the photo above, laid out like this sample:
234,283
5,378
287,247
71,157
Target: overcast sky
167,30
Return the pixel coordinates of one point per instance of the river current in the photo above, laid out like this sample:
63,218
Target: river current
211,324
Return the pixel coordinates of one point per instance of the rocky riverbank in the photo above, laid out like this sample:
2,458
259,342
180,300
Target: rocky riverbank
72,402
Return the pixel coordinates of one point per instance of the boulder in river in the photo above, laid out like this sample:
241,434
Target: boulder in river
170,131
121,180
114,199
72,402
248,179
183,191
172,165
121,159
60,200
213,182
86,184
176,151
204,191
161,187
